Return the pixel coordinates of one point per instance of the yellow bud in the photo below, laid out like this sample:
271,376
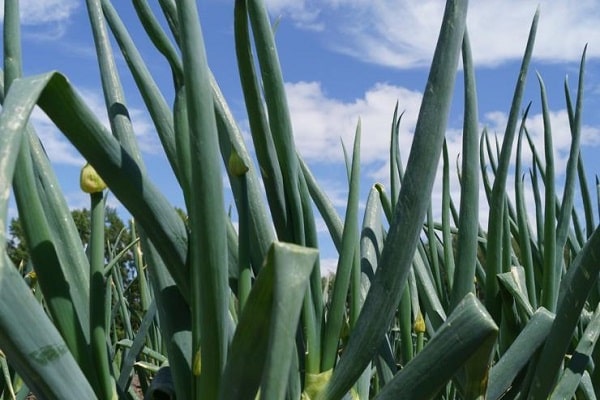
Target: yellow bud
315,383
31,278
419,323
236,165
197,364
90,181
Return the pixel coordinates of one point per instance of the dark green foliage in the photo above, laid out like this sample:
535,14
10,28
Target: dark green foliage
15,246
117,236
235,312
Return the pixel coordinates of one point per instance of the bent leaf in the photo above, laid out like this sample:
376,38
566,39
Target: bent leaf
55,95
469,331
268,341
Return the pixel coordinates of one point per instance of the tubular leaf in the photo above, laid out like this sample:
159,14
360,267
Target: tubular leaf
397,255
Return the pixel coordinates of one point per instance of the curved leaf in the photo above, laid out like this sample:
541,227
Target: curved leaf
39,355
502,375
66,109
469,332
269,341
576,286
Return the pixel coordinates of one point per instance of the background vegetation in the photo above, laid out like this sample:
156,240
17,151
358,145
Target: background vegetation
419,308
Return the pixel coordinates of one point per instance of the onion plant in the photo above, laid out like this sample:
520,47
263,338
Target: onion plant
419,308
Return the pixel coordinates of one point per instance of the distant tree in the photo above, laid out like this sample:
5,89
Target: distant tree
15,246
184,217
82,222
117,238
117,235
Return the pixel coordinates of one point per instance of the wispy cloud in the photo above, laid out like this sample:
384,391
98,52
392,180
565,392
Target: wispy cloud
59,150
39,12
402,34
303,13
321,122
45,19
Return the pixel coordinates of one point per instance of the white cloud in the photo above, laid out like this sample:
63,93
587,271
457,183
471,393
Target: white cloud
40,12
303,14
328,266
44,20
59,150
403,34
500,28
320,122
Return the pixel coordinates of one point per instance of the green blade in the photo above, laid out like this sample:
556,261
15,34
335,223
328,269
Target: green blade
432,305
497,199
266,330
469,332
65,108
279,119
10,142
395,162
519,353
525,243
581,357
208,252
552,267
39,355
114,97
49,230
586,387
106,388
337,305
230,141
566,205
175,319
158,36
586,197
330,216
515,283
413,201
313,307
466,257
266,153
156,104
447,250
576,286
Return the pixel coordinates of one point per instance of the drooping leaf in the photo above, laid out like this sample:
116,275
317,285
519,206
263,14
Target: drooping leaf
469,331
277,297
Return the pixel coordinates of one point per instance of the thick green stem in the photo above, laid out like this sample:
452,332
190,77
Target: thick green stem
114,97
245,278
208,250
405,320
106,388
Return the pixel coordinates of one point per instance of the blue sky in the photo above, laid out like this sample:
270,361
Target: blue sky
341,59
